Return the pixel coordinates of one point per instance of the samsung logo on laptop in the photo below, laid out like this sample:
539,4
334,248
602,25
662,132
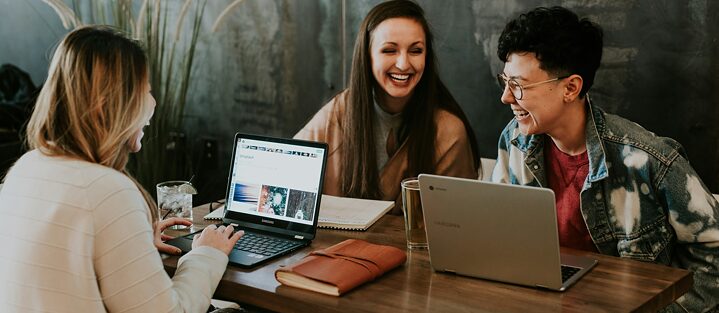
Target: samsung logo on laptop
447,224
438,188
267,221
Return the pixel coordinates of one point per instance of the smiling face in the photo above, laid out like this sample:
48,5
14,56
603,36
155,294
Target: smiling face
398,52
135,143
542,108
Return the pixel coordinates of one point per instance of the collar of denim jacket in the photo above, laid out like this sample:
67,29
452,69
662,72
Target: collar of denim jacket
596,152
532,145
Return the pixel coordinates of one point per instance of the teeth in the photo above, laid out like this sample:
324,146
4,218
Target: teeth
520,112
399,76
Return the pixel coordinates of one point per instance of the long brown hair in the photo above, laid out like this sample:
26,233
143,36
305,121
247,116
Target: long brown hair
92,102
359,165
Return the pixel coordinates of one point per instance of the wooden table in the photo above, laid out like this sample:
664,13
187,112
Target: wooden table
614,285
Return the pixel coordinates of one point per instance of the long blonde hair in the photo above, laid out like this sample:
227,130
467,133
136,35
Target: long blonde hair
92,103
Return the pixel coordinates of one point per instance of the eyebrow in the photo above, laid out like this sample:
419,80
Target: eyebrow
395,44
514,77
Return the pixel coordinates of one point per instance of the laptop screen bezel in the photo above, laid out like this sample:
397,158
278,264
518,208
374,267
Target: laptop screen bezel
284,227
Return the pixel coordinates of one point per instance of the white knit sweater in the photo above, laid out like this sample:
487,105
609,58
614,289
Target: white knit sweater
76,237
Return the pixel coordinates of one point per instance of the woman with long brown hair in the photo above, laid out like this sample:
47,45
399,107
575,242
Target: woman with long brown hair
396,119
78,233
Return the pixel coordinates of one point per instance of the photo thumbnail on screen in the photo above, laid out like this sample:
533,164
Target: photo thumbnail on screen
246,196
301,205
273,200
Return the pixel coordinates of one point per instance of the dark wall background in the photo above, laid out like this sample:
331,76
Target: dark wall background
273,63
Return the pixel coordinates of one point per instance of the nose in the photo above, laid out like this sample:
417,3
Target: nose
507,96
402,63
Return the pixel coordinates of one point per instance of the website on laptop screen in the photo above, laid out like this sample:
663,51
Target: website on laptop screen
275,180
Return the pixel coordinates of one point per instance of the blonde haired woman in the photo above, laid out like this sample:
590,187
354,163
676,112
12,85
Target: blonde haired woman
77,233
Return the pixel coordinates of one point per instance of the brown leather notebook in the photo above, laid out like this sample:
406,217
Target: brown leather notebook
341,267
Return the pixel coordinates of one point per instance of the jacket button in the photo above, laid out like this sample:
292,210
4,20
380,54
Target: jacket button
536,167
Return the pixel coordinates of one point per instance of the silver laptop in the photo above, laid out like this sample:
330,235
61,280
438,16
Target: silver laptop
501,232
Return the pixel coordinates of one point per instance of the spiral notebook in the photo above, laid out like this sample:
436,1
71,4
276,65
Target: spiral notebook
351,213
339,212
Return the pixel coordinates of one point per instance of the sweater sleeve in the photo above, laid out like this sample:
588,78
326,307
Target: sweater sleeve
128,267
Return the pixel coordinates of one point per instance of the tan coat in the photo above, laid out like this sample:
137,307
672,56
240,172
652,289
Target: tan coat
453,151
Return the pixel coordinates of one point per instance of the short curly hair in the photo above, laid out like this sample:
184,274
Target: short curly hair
563,43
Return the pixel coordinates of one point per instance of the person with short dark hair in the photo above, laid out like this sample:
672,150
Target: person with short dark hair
620,189
396,119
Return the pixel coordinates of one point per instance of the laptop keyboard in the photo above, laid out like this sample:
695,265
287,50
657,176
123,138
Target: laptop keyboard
568,272
265,245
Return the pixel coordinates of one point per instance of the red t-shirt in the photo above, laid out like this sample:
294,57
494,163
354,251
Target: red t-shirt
566,175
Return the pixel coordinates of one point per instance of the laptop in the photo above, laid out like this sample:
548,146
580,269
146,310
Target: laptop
273,193
500,232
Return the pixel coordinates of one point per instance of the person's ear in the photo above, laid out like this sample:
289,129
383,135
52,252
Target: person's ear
573,87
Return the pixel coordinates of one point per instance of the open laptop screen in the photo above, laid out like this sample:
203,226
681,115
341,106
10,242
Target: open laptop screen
276,182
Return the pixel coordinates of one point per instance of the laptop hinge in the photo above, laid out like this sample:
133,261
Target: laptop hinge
299,237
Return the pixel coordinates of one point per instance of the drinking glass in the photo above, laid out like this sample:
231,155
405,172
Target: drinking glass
174,199
413,214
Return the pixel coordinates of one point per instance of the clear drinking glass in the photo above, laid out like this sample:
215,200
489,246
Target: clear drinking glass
413,214
174,199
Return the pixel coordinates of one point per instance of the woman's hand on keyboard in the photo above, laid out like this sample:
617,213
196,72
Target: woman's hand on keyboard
222,238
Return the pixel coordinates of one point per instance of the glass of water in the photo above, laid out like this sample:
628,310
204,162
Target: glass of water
174,199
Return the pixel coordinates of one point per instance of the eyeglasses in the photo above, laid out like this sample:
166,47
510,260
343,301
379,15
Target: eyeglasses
516,88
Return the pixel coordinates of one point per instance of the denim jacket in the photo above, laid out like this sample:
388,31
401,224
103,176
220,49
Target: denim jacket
641,199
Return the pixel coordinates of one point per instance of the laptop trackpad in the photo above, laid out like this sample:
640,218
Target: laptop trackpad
184,243
245,258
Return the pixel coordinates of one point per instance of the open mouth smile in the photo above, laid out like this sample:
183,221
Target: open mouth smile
520,114
400,77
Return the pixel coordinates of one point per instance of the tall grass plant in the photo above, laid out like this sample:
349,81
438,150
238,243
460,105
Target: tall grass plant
170,40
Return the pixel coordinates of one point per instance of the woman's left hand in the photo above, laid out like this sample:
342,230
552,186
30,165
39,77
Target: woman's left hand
160,238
